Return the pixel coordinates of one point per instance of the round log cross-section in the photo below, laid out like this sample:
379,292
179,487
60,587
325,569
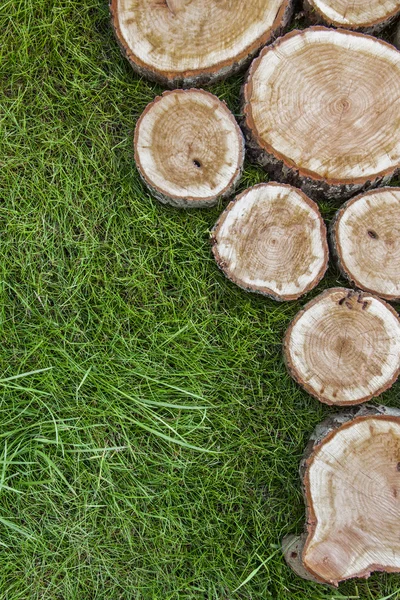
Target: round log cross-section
194,42
321,110
344,347
367,15
366,241
272,240
189,150
351,486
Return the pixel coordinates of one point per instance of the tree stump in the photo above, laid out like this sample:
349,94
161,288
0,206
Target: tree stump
344,347
351,485
321,111
187,43
189,150
369,16
272,240
365,237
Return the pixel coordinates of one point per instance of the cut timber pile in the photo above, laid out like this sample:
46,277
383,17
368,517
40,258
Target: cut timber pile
344,347
271,239
193,42
189,149
366,240
321,111
351,485
369,15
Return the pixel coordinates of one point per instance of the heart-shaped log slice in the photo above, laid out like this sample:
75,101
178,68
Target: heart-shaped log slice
351,485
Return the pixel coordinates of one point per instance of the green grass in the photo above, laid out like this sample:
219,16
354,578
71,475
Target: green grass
157,456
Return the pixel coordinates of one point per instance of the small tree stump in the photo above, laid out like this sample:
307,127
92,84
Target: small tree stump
369,16
321,108
365,238
187,43
344,347
351,485
189,150
272,240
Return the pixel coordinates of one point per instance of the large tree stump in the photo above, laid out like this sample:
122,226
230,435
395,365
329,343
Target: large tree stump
272,240
194,42
369,16
189,150
344,347
351,485
321,110
365,237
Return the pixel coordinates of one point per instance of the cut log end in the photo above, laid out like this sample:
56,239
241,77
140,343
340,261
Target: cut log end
189,150
331,132
367,16
350,473
365,238
344,347
187,43
272,240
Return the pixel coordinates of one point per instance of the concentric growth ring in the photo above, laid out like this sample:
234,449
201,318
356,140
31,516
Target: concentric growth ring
272,240
367,15
192,42
321,108
352,491
189,149
344,347
366,240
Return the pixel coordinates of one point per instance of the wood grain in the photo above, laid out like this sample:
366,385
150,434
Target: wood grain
321,110
344,347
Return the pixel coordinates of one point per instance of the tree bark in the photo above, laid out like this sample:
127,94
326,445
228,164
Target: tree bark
329,131
189,150
344,347
351,486
365,239
396,37
189,43
272,240
366,16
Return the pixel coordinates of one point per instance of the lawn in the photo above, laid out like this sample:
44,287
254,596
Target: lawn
150,435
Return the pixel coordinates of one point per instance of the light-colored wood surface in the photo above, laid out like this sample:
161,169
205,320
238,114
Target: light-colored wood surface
352,484
191,42
272,240
344,347
366,240
354,14
189,149
322,107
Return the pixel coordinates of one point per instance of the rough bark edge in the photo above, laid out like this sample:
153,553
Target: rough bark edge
279,166
266,291
315,15
292,544
197,77
190,202
396,37
337,253
362,297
